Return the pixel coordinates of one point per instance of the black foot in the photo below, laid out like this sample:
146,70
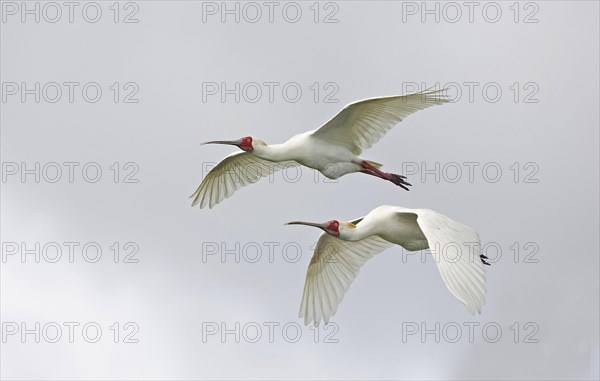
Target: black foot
483,259
399,180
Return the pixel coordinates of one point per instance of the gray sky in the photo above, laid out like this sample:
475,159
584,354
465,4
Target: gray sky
515,157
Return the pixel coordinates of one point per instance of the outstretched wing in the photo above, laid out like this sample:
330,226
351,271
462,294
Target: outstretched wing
232,173
333,267
361,124
456,251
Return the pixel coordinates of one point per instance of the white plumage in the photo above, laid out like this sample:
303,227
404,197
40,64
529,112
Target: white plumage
346,246
332,149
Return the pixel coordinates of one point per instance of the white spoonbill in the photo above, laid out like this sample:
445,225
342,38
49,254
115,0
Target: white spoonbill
346,246
332,149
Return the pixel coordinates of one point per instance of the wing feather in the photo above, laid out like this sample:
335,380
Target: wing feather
456,250
361,124
333,267
232,173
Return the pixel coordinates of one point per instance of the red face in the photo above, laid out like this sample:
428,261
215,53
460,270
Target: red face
246,144
333,228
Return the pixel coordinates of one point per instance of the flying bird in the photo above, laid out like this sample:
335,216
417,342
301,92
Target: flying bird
345,246
333,149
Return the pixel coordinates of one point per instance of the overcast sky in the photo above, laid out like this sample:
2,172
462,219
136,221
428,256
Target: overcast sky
103,107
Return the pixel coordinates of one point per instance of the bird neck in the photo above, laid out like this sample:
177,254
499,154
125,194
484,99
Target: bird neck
351,232
275,152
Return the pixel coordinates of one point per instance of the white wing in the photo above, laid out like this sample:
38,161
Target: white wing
333,267
456,250
361,124
232,173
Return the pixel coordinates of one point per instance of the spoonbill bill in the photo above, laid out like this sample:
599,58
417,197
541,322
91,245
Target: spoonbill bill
345,246
332,149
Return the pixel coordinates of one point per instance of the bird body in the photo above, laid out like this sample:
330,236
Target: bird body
333,161
345,246
332,149
393,224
